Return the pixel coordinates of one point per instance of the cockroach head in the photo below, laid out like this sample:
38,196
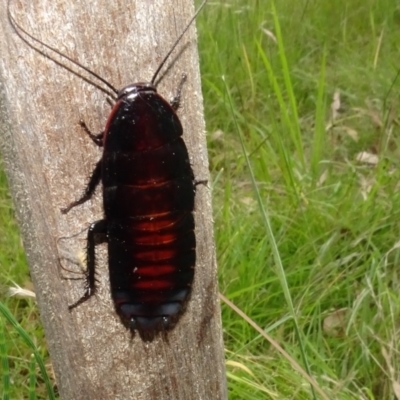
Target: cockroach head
136,88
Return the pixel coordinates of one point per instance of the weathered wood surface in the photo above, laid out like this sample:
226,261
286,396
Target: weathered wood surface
48,161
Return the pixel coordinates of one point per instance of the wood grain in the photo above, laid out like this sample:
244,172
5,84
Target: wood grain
48,160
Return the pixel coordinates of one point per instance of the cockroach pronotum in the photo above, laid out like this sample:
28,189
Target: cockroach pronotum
148,201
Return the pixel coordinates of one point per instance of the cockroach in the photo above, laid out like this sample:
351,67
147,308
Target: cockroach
148,201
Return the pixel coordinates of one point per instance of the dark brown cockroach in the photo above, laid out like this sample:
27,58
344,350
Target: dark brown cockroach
148,201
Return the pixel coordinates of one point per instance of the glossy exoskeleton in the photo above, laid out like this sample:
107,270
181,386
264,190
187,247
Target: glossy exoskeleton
148,200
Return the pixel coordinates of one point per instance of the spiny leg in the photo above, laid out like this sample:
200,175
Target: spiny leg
177,98
90,188
98,228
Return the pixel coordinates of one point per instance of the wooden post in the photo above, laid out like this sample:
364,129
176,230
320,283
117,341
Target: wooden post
48,161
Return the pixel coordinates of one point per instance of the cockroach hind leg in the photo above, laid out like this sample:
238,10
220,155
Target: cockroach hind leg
88,294
176,100
96,229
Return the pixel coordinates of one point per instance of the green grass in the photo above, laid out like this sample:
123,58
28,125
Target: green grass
307,236
23,351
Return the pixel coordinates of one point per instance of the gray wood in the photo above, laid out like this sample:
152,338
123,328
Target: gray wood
48,161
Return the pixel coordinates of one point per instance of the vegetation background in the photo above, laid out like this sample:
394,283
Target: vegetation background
302,111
